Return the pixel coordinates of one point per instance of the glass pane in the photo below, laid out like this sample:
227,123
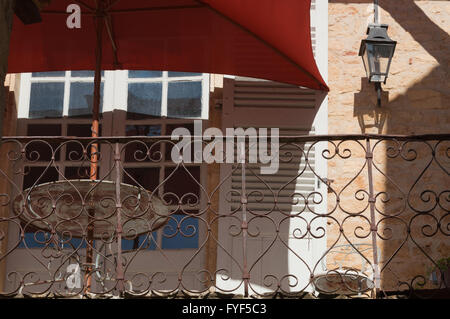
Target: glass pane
378,56
181,183
81,130
177,74
171,127
366,63
184,99
136,151
39,175
44,130
141,242
383,51
48,74
35,238
148,241
183,238
46,100
82,99
74,151
146,177
42,151
169,146
383,64
144,74
370,59
143,130
83,74
79,172
74,243
145,98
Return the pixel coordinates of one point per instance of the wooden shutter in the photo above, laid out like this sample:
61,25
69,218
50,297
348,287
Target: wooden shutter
294,176
252,103
267,94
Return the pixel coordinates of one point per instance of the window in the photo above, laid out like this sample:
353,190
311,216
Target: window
167,94
58,94
133,103
143,94
143,172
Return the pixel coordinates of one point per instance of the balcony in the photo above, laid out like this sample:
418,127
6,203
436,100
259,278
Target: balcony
361,216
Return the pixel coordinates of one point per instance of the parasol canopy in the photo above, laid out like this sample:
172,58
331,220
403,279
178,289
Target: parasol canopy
268,39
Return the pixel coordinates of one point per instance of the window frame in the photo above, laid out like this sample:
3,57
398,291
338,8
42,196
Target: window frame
115,100
115,94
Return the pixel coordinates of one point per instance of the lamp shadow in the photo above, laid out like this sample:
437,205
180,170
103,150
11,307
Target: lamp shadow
370,116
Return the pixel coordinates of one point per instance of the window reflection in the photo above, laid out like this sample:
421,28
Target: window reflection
82,99
46,100
145,98
184,99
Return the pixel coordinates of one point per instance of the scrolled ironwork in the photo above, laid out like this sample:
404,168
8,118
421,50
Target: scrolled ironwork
377,225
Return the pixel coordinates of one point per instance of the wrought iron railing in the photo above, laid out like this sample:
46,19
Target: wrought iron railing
359,215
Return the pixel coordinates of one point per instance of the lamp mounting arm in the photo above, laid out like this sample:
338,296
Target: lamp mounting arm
379,90
375,12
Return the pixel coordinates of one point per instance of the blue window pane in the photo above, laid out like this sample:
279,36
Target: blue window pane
186,237
184,99
76,243
144,74
82,98
127,244
135,152
40,239
48,74
46,100
146,177
177,74
83,74
145,98
34,240
148,241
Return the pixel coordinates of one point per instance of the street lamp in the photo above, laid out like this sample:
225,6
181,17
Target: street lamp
377,51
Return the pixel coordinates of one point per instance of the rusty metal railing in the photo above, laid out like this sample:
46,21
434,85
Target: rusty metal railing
356,215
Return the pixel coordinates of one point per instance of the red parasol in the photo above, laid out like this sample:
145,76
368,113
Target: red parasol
267,39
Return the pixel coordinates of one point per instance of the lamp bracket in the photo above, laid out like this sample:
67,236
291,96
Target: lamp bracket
376,25
379,90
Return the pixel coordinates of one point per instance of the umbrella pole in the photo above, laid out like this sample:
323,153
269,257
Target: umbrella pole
94,147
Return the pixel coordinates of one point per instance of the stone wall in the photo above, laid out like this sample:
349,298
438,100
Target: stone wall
416,100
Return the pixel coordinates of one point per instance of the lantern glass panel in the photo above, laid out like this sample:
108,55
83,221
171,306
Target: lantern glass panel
365,59
378,56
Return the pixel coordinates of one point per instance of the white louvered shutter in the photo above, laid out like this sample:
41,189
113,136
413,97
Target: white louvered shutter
295,176
264,104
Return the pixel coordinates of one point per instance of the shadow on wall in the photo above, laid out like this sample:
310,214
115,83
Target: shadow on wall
369,115
407,112
414,177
